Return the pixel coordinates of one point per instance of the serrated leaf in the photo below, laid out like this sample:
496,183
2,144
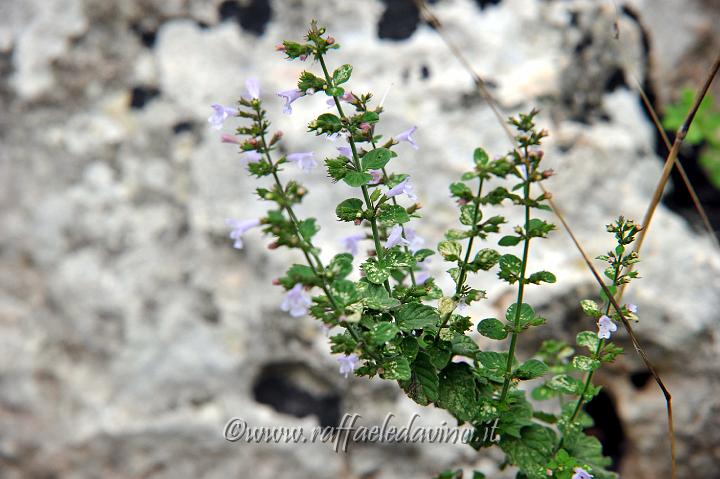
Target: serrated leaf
397,368
374,272
530,452
509,240
590,308
526,315
349,209
377,158
458,392
464,346
584,363
531,369
469,215
357,178
381,333
391,215
486,258
450,250
424,384
416,316
439,357
342,74
541,276
492,328
565,384
589,339
376,297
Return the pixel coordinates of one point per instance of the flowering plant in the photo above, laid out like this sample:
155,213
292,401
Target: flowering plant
396,322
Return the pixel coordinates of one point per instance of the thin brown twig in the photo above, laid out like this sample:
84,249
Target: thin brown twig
434,22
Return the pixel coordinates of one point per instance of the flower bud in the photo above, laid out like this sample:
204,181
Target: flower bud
276,282
330,40
276,137
547,174
273,245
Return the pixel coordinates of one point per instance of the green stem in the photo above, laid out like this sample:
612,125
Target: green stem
468,250
356,162
521,287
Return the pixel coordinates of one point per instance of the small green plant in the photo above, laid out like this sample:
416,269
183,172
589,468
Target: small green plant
705,129
394,321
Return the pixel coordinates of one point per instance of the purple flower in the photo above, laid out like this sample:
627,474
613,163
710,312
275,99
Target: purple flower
407,136
350,242
395,237
305,160
296,301
290,96
239,228
250,156
325,329
403,187
422,275
227,138
416,242
346,97
221,113
253,88
605,327
345,151
632,308
377,176
581,473
348,363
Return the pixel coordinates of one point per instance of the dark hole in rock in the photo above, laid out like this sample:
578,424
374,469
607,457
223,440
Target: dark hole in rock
293,388
147,35
486,3
608,428
639,379
141,95
399,20
182,127
584,43
252,17
424,72
202,25
615,80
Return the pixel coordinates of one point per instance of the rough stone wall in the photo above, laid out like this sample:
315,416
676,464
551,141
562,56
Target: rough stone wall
130,330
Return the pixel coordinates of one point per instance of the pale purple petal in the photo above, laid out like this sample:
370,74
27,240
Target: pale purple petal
395,237
350,242
403,187
348,364
253,88
305,160
227,138
239,228
377,176
345,151
581,473
407,136
220,114
605,327
296,301
632,308
251,156
416,242
290,96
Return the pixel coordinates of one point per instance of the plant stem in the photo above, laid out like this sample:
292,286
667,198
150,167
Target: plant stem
356,162
521,286
463,267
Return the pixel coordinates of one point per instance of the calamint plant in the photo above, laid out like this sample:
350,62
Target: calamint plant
394,321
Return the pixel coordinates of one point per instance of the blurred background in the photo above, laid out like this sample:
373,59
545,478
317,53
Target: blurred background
131,331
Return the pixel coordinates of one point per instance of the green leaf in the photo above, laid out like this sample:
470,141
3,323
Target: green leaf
527,314
342,74
450,250
591,308
335,91
510,267
589,339
480,157
565,384
397,368
349,210
341,265
439,357
469,216
357,178
492,328
336,168
374,272
298,273
326,123
584,363
540,276
486,258
376,297
391,215
344,291
416,316
381,333
458,392
509,240
464,346
308,228
461,190
424,384
531,369
377,158
539,228
532,451
410,348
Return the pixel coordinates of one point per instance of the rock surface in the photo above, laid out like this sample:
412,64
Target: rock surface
131,331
